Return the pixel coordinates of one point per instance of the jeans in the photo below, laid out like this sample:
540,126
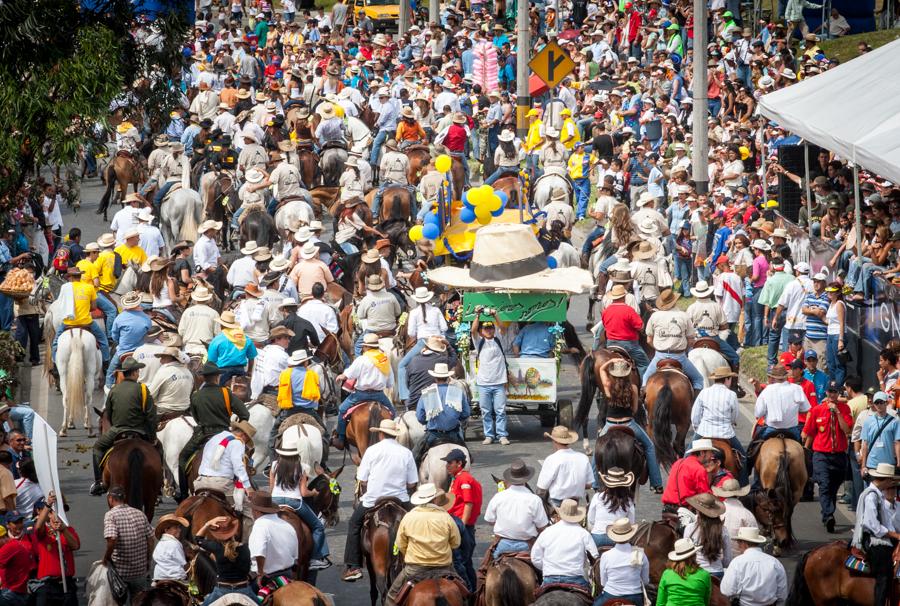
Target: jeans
837,372
532,168
28,335
856,268
856,481
221,590
649,450
743,74
634,350
715,104
727,350
510,546
828,473
568,580
355,398
754,312
11,598
51,593
587,247
636,598
462,555
602,540
6,312
110,311
765,431
320,546
229,372
686,365
357,346
501,171
492,401
774,337
582,196
402,387
683,267
865,276
90,160
161,195
98,335
380,138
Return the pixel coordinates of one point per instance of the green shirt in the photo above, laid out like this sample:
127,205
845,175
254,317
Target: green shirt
262,32
695,590
773,288
126,408
209,410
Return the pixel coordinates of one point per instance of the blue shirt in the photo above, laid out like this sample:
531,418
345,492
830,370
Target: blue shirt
534,340
448,419
298,375
187,139
175,129
223,352
129,329
882,449
655,183
816,329
22,416
636,102
719,241
677,213
468,61
819,380
387,117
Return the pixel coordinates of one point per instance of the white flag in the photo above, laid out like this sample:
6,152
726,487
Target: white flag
43,445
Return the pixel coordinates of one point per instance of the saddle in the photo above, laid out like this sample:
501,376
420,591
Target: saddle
756,443
856,562
403,594
270,401
163,419
126,434
373,516
300,419
669,364
417,147
125,153
578,592
174,593
68,328
335,145
708,343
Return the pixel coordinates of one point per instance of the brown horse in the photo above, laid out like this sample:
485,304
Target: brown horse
419,157
669,397
591,385
298,593
513,188
509,581
309,166
396,204
329,350
821,579
135,464
324,197
366,416
122,171
769,511
379,532
619,448
781,466
732,460
205,506
437,592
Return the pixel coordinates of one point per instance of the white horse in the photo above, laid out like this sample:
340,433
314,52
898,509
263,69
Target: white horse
293,214
544,186
263,421
179,216
432,469
706,360
78,362
97,587
309,443
173,438
387,346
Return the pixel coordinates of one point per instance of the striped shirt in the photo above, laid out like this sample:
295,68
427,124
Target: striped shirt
815,326
715,412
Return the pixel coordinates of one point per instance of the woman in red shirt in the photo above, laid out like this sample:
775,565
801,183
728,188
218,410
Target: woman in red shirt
48,529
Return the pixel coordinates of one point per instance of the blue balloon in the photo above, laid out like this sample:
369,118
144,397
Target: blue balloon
432,218
503,197
465,201
431,231
467,214
551,262
499,211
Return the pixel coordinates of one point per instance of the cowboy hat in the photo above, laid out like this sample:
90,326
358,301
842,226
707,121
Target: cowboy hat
558,194
201,294
780,232
374,282
370,340
290,444
132,300
158,264
244,427
707,504
703,289
309,251
644,250
441,371
569,511
388,426
509,256
621,266
106,241
422,294
208,225
730,488
228,320
298,357
645,198
302,234
667,299
243,94
617,477
684,548
459,118
252,290
618,291
436,344
722,372
700,445
371,256
391,144
749,534
760,244
287,146
621,530
172,352
131,233
91,247
326,110
261,501
145,266
209,369
429,493
506,136
883,470
620,369
518,473
315,225
648,226
777,372
278,263
407,112
279,332
262,254
170,519
131,364
180,246
562,435
254,176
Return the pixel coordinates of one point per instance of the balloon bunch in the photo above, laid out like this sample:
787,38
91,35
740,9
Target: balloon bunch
482,204
430,228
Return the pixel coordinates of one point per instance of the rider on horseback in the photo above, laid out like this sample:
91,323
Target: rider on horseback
874,530
108,269
129,407
393,171
443,408
780,403
671,333
176,168
715,414
708,317
299,391
83,299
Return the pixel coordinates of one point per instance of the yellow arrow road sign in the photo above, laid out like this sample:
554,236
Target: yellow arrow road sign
552,64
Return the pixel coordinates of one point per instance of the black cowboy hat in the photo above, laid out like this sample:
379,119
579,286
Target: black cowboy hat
518,473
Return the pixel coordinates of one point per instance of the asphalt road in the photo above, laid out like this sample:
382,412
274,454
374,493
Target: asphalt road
526,436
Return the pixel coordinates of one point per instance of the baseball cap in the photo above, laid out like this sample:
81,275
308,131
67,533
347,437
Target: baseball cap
880,396
795,339
14,516
821,277
811,353
802,267
834,386
797,363
455,455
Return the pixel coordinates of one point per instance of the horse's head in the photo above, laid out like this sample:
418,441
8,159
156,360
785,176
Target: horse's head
104,421
327,501
772,514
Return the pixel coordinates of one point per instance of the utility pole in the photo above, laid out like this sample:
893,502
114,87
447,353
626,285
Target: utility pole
433,10
523,52
700,151
404,16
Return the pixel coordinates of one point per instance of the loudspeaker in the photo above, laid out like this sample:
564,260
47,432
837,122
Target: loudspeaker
791,158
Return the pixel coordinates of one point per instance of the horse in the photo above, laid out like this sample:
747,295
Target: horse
561,596
173,437
164,593
256,224
781,466
822,579
324,197
544,186
179,216
298,593
419,157
509,582
619,448
433,468
308,162
122,171
706,360
200,508
379,533
220,201
263,420
291,214
79,364
512,185
767,508
591,385
396,204
669,398
326,502
436,592
135,464
363,417
332,165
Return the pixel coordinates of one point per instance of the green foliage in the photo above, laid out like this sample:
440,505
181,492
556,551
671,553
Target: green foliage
845,48
10,352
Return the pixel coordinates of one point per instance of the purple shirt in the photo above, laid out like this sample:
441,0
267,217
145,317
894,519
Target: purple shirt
760,268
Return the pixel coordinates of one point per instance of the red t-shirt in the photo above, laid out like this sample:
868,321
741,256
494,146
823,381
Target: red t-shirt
15,564
466,489
826,433
621,322
47,554
687,478
456,138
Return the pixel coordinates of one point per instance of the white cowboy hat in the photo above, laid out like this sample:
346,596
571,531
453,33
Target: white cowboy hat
622,265
145,215
91,247
288,302
228,320
749,534
390,427
761,245
506,136
106,241
302,234
371,256
730,488
621,530
648,226
441,371
254,176
250,247
883,470
422,294
201,294
562,435
703,289
509,256
208,225
569,511
309,251
620,369
701,445
290,444
279,263
684,548
429,493
315,225
299,357
645,198
131,233
370,339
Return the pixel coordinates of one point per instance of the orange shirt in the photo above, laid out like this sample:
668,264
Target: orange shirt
229,96
309,271
410,132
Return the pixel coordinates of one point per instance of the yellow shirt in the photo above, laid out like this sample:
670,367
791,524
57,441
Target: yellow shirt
131,254
580,164
569,134
105,267
88,271
533,138
85,295
434,536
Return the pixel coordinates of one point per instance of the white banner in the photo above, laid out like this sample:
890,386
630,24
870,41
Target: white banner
43,446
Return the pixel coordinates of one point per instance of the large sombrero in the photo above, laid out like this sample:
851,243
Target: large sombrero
508,256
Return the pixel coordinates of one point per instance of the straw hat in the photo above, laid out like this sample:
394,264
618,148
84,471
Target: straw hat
730,488
703,289
618,291
201,294
208,225
279,263
707,504
700,445
459,118
157,264
648,226
667,299
620,368
326,110
749,534
518,473
227,320
883,470
562,435
722,372
436,344
407,112
374,282
250,247
441,371
569,511
645,198
617,477
429,493
777,372
644,250
370,340
684,548
132,233
244,427
145,266
279,332
299,357
309,251
106,241
621,530
132,300
422,294
91,247
388,426
371,256
262,254
170,519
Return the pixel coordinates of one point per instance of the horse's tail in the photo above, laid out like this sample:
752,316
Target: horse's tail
784,488
374,420
49,333
189,221
75,379
662,426
799,595
511,591
397,208
588,388
135,478
570,335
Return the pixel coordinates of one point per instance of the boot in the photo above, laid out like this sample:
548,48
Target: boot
97,488
337,442
182,485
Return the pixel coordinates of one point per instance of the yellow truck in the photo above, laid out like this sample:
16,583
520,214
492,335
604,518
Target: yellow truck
385,14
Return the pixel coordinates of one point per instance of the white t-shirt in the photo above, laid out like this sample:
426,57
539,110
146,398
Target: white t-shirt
565,474
387,468
599,516
54,217
275,540
168,555
491,363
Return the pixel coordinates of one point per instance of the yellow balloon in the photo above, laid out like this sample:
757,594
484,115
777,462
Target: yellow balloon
415,233
494,203
476,196
483,214
443,163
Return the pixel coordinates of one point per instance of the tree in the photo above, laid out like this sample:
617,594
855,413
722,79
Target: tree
62,65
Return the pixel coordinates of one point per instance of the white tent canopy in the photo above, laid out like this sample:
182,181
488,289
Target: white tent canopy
852,110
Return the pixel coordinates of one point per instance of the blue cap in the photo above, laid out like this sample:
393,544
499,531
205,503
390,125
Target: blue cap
880,396
15,516
811,353
455,455
686,225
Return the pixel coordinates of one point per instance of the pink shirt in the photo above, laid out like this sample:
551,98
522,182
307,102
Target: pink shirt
760,269
309,271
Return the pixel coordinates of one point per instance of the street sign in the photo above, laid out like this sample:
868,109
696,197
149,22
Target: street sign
552,64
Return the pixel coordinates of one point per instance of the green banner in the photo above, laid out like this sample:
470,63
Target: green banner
517,307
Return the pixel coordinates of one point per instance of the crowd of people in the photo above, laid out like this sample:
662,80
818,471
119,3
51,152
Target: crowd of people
208,333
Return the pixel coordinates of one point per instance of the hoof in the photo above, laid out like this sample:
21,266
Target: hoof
70,425
63,432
